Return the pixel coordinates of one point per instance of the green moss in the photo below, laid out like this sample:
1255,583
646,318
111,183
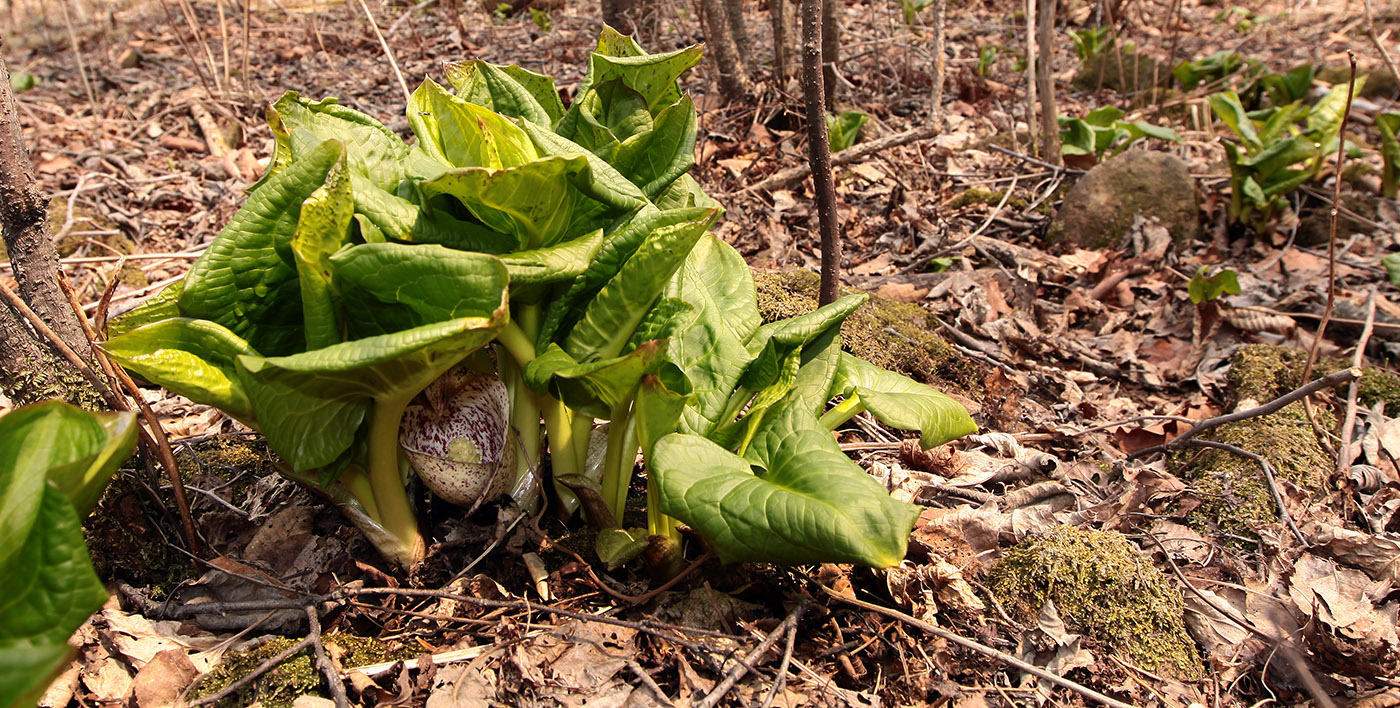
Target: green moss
913,350
1235,496
277,688
364,651
1104,589
984,196
1263,372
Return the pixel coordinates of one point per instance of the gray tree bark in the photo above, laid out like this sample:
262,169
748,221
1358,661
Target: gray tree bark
30,370
1045,78
819,151
777,11
734,82
831,49
734,12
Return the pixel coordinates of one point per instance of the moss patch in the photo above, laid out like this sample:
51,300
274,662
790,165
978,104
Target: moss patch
296,676
914,350
984,196
1103,589
1262,372
1234,493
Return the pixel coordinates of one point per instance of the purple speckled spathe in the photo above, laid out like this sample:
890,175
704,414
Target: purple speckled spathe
459,443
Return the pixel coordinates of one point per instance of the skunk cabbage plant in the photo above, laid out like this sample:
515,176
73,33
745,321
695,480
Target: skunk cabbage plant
55,461
346,310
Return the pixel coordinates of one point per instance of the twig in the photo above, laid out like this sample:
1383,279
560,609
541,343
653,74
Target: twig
1033,161
1331,257
1268,476
189,53
334,682
782,668
851,154
198,32
57,342
1333,379
387,52
1347,453
646,596
253,675
747,664
78,56
819,150
247,30
405,15
649,682
981,649
1376,40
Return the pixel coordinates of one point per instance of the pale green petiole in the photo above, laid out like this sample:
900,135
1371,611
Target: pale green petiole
395,510
843,411
620,459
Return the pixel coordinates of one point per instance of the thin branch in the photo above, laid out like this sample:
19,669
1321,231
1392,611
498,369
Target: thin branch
1333,379
1268,476
1347,453
981,649
1331,256
333,680
57,342
851,154
407,95
782,667
253,675
720,691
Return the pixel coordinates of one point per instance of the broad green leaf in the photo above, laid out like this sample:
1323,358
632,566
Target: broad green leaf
617,547
1389,124
508,90
655,160
610,318
654,76
685,193
1284,182
772,342
1277,123
463,134
1077,137
310,405
246,280
820,359
1326,115
903,403
372,151
607,186
1254,192
615,44
323,227
1391,263
657,408
1280,155
794,498
400,219
1104,116
596,388
716,282
1203,287
535,201
83,480
562,262
34,439
194,358
161,306
605,116
617,247
1140,128
389,287
48,589
843,130
1226,105
667,318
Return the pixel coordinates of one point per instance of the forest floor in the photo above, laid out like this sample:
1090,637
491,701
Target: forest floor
1057,536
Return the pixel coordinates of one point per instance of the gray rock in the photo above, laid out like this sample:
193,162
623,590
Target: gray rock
1101,207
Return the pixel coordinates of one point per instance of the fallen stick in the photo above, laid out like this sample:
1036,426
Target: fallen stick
846,157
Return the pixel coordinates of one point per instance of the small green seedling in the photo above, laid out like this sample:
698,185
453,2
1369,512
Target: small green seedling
541,19
1103,131
1205,287
1389,125
1211,69
843,130
1092,42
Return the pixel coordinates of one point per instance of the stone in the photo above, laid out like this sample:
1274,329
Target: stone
1101,208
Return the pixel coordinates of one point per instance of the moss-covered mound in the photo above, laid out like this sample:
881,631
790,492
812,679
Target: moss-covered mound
909,347
1103,589
1234,493
296,676
1263,372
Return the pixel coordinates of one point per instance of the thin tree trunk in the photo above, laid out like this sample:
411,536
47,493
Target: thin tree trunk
940,61
734,12
831,48
819,149
733,79
1030,75
777,11
1045,76
29,369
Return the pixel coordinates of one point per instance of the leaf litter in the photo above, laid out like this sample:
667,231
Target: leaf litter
1057,348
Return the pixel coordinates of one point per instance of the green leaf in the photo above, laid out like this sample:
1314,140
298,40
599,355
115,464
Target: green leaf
605,116
716,282
246,281
395,217
1139,129
1227,107
1392,268
508,90
661,397
535,202
1325,118
654,76
597,388
194,358
607,185
373,151
161,306
562,262
463,134
53,456
1203,288
49,590
656,159
903,403
844,130
772,342
617,547
389,287
1389,124
322,228
1077,137
1104,116
1280,155
794,498
610,318
685,193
